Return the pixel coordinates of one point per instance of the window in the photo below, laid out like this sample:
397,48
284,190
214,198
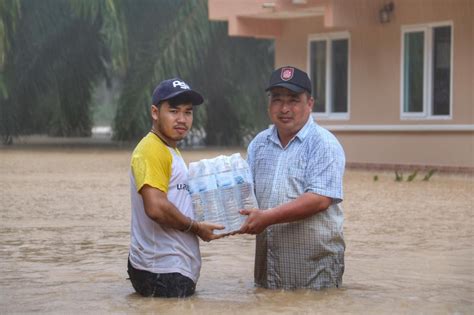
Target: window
426,71
329,71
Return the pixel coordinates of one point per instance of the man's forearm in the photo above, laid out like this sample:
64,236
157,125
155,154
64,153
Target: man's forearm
161,210
166,214
304,206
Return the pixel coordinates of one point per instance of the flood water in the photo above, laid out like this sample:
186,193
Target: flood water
64,235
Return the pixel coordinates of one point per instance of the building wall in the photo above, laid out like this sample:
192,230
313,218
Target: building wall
375,57
438,149
375,70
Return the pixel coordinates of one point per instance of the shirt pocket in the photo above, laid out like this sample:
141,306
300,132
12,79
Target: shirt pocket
296,182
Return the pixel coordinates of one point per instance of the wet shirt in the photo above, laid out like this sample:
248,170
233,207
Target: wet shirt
308,253
153,247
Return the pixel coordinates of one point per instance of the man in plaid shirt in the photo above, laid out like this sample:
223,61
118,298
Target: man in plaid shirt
297,167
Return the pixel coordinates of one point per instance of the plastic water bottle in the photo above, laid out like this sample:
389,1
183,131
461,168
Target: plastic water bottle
227,190
195,171
244,182
205,194
219,188
207,185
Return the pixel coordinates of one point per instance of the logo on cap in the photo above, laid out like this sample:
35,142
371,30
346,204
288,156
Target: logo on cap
287,74
181,84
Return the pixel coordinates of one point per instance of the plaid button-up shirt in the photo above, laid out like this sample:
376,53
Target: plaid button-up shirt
307,253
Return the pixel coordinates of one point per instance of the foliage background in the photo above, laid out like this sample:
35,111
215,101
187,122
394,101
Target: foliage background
56,54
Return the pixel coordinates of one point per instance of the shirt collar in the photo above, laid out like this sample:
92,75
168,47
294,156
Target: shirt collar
305,130
300,135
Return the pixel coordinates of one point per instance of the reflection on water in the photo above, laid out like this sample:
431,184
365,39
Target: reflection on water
64,234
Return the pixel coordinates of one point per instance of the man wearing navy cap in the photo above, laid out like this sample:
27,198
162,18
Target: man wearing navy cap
297,167
164,257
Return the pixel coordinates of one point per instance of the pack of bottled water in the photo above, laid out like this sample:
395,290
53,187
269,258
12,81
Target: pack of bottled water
219,188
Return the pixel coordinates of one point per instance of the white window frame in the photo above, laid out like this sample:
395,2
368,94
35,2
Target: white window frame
427,113
329,38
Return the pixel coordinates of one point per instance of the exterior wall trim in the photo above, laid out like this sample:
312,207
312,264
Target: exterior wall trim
385,167
399,128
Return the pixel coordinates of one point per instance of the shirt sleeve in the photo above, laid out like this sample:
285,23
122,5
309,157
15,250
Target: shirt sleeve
251,158
152,168
326,170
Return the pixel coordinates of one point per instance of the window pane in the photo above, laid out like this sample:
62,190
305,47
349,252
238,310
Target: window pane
441,69
339,75
413,72
318,75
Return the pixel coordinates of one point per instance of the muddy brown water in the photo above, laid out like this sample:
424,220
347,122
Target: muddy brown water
64,236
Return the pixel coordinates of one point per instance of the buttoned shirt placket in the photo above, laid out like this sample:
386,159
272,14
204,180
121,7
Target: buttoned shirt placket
280,172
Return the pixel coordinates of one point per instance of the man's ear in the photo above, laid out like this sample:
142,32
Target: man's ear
311,102
154,112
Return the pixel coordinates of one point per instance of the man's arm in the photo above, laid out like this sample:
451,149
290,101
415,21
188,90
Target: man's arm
302,207
161,210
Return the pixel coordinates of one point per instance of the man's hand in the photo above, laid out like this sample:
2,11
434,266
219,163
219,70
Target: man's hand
304,206
256,222
205,230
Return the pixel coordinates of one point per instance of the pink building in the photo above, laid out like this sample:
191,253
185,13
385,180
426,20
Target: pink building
393,79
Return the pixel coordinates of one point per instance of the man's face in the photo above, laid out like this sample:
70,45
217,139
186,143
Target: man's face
172,122
289,111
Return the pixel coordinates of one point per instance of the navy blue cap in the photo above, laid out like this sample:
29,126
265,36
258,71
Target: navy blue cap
171,88
291,78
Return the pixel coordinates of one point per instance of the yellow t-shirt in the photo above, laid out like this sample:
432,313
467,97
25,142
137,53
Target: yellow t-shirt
153,247
151,163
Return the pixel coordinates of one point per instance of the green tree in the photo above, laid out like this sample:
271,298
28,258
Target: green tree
146,24
9,13
54,51
53,59
236,106
229,72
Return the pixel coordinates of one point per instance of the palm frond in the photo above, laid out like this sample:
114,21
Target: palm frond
132,118
53,51
229,72
113,28
9,14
